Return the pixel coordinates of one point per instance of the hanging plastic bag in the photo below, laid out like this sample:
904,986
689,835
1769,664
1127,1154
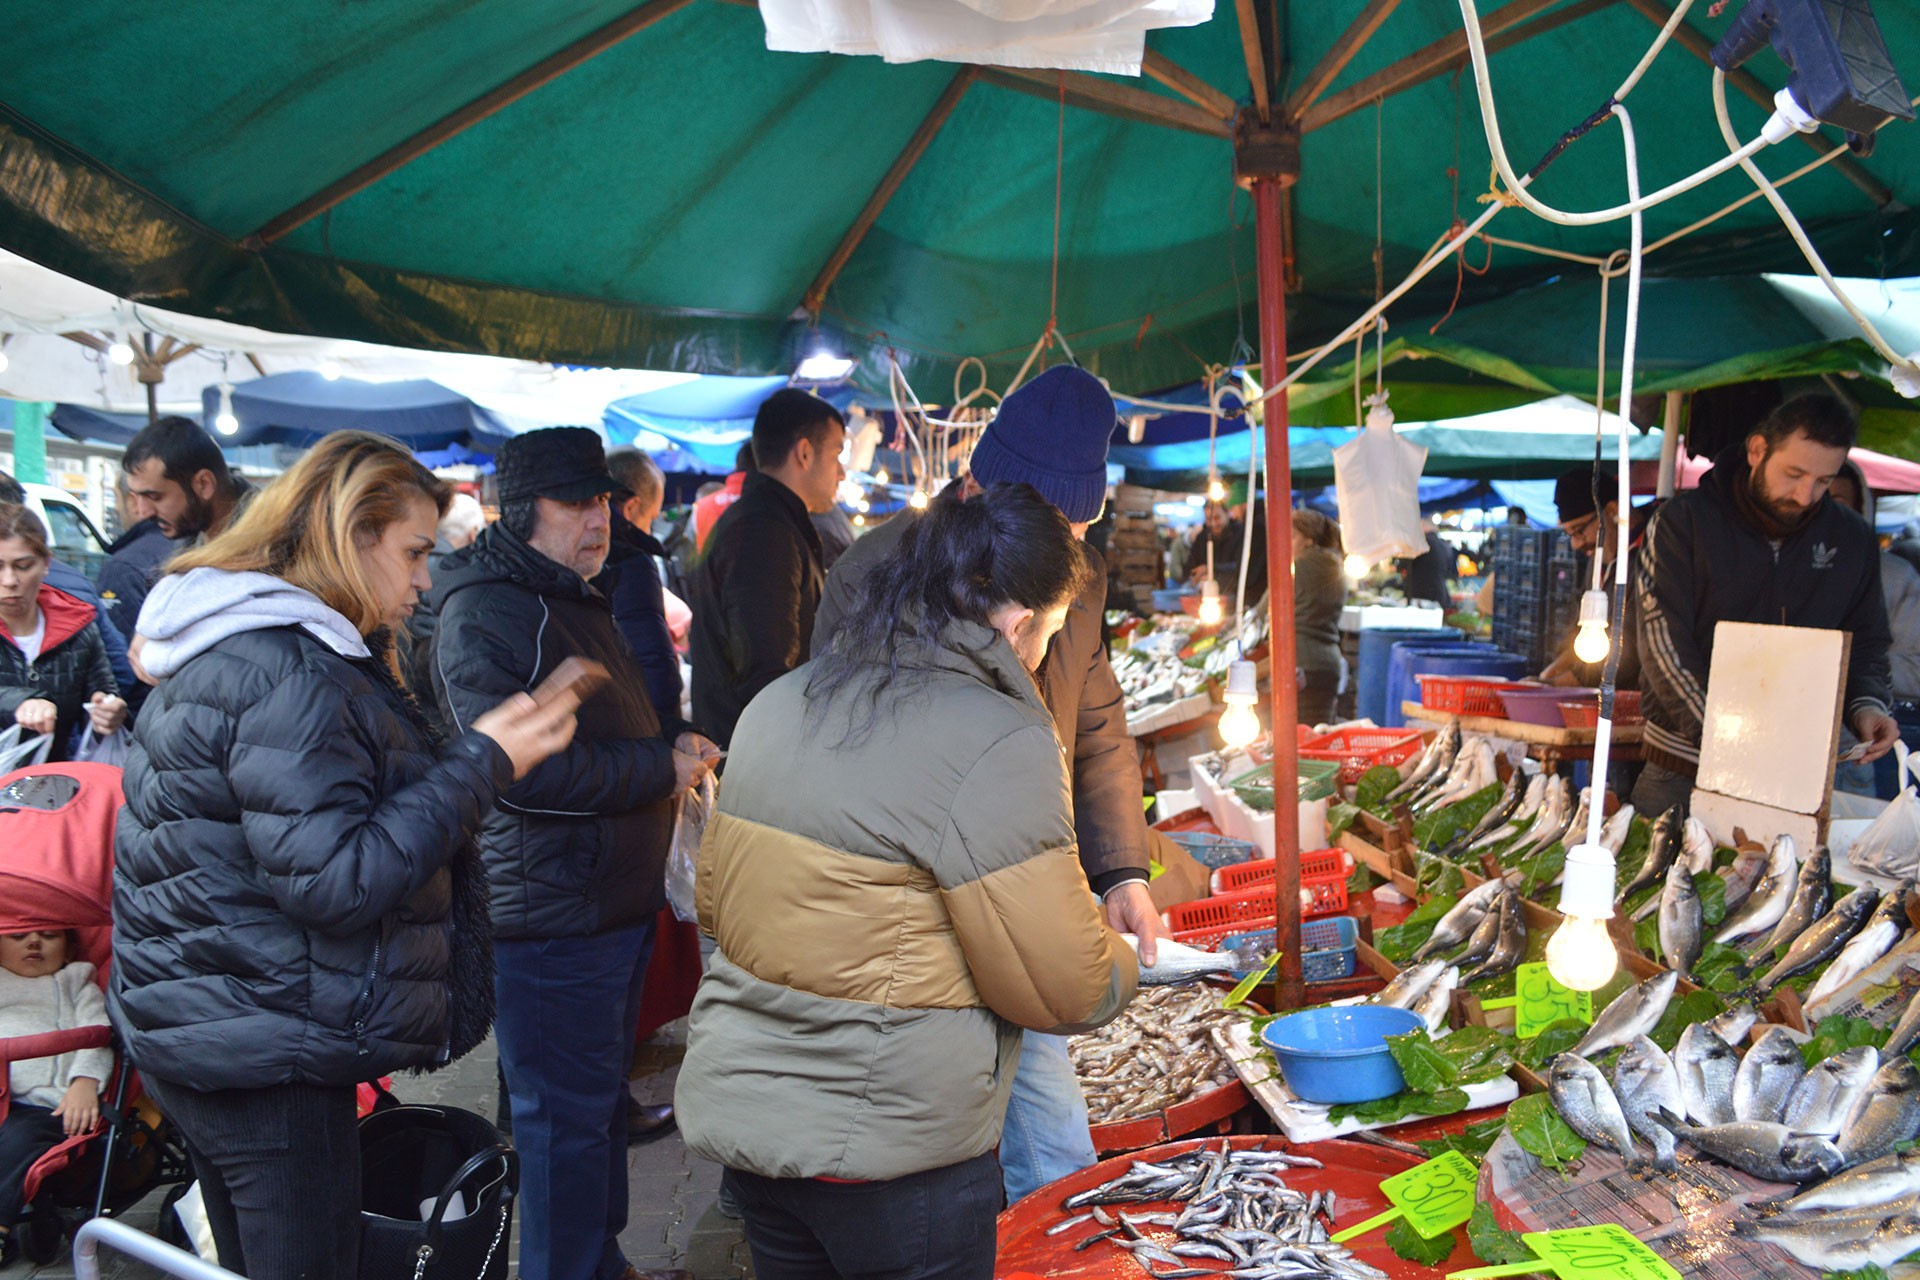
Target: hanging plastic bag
94,748
1376,478
683,859
18,750
1890,848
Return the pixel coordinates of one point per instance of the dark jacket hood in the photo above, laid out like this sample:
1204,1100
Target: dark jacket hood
500,555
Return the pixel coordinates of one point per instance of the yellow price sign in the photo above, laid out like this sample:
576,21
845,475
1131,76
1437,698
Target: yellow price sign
1605,1252
1542,1002
1433,1197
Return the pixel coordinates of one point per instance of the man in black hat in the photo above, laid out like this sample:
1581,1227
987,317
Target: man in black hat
576,850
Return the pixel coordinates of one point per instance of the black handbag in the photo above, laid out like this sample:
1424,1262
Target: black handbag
413,1161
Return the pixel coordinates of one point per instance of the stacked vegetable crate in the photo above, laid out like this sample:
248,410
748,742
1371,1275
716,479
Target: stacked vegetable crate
1133,548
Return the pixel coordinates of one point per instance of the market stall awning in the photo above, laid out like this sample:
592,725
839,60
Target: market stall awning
646,185
300,408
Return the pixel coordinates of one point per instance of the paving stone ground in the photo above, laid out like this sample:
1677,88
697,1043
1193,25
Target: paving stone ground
672,1222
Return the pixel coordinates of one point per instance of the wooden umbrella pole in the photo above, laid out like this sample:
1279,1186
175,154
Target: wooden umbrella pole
1290,990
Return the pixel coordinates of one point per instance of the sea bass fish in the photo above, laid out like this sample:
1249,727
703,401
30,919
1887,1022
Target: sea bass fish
1887,1114
1840,1244
1509,948
1587,1103
1409,984
1436,1001
1707,1066
1682,931
1634,1012
1875,1182
1824,938
1661,848
1826,1095
1461,920
1812,898
1888,924
1766,1076
1764,1149
1733,1025
1648,1086
1768,901
1437,757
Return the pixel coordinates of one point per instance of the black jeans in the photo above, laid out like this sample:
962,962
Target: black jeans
939,1223
280,1171
26,1134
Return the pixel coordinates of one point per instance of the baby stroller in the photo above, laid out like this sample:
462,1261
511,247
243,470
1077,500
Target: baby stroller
56,872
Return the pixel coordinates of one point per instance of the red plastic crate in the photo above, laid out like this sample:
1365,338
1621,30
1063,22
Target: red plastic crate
1466,695
1329,897
1358,750
1323,873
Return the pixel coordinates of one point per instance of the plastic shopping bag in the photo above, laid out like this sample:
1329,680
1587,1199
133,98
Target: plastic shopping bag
1376,478
18,750
683,859
1891,846
95,749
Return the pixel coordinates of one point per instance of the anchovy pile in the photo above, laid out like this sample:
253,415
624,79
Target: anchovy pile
1236,1209
1155,1055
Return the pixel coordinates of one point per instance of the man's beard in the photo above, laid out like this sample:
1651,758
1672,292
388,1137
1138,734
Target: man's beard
1781,510
197,519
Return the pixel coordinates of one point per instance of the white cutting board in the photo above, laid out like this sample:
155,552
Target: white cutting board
1773,715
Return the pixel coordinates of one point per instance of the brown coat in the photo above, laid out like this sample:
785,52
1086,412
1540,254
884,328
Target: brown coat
1089,711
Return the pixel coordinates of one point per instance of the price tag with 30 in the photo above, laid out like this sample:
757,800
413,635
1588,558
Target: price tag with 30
1433,1197
1542,1002
1606,1252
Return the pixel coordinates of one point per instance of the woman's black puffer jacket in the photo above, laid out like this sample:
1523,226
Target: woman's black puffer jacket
283,905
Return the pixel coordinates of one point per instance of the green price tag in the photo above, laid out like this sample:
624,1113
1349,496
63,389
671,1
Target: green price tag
1433,1197
1606,1252
1542,1002
1244,988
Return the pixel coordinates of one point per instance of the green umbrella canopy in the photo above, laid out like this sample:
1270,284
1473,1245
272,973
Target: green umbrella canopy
675,200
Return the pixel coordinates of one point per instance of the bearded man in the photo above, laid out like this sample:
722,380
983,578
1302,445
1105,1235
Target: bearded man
1758,541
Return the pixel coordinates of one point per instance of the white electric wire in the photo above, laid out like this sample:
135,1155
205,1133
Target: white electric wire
1796,231
1666,33
1603,735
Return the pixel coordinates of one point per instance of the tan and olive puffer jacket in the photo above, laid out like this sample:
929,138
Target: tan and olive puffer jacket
890,912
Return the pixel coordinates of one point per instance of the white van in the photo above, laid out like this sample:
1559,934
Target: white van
70,533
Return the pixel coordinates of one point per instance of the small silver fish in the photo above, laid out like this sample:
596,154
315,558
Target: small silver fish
1461,920
1812,898
1697,847
1733,1025
1436,1002
1889,922
1823,939
1510,946
1661,848
1408,985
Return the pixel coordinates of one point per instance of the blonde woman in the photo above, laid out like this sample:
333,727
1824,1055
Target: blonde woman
297,901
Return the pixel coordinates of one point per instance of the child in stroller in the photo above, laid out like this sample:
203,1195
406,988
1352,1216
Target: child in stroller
53,1098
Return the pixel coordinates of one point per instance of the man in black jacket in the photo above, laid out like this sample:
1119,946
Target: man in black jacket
576,850
1758,541
759,580
133,561
631,580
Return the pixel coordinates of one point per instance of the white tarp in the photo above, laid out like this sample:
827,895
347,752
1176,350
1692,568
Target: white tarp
1073,35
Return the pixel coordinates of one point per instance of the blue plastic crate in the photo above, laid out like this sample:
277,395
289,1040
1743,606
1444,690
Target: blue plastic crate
1327,947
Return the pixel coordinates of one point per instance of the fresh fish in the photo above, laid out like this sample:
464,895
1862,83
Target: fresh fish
1744,873
1863,1186
1530,805
1473,773
1503,808
1839,1244
1887,1114
1437,756
1766,1076
1812,898
1763,1149
1178,962
1548,828
1661,848
1905,1032
1707,1065
1770,897
1697,847
1733,1025
1889,922
1510,948
1437,1000
1634,1012
1682,932
1614,834
1459,923
1648,1084
1429,795
1409,984
1486,935
1585,1101
1824,939
1826,1095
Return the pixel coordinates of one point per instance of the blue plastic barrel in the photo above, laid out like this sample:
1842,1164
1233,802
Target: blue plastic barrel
1467,659
1376,645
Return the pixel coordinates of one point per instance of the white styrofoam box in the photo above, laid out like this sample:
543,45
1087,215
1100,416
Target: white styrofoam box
1176,802
1234,818
1773,714
1359,617
1722,814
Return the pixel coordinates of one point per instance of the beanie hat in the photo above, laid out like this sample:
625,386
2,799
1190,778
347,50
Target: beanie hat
1573,494
1052,434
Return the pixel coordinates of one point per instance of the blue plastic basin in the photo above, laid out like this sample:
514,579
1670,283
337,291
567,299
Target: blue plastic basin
1339,1054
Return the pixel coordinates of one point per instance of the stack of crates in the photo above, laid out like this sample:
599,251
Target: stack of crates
1536,591
1566,578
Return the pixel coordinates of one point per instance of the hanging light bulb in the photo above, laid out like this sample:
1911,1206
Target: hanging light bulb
225,422
330,370
1216,491
1239,723
1581,955
880,476
1358,566
859,522
918,501
120,352
1210,610
1590,644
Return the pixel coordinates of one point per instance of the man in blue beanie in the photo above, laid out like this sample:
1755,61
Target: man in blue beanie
1053,434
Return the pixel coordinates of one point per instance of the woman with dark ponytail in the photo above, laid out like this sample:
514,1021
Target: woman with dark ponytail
894,887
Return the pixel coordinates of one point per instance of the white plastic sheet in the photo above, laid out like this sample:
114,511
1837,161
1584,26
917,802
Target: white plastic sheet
1376,478
1075,35
1891,846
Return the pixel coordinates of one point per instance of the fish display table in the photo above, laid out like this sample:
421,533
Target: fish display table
1686,1217
1546,743
1352,1172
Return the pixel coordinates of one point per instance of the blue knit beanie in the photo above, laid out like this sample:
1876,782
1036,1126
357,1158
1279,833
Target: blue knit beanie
1052,433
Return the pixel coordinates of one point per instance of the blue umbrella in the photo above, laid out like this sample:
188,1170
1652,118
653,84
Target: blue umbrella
299,408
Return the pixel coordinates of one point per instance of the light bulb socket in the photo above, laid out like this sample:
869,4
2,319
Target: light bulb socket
1243,683
1593,607
1587,889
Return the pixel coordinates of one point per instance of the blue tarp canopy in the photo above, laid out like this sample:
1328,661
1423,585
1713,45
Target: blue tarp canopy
81,423
299,408
710,416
